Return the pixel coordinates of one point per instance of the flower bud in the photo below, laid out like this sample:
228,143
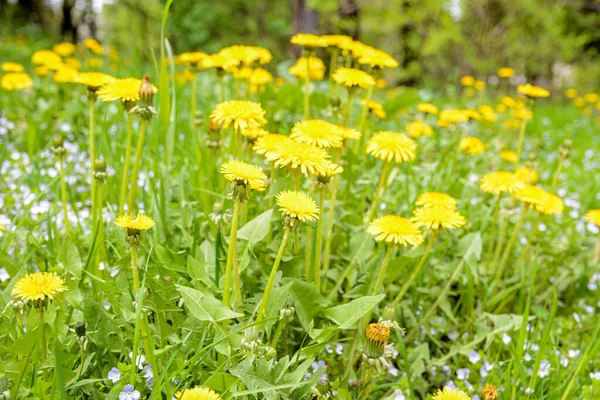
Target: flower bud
146,92
100,170
80,329
58,145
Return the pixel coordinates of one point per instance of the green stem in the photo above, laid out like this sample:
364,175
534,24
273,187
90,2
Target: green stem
332,67
492,236
307,89
92,157
193,100
136,165
126,163
363,118
277,334
42,334
417,270
329,231
508,248
347,107
521,136
373,206
383,269
265,298
319,242
231,255
134,271
308,249
557,174
63,192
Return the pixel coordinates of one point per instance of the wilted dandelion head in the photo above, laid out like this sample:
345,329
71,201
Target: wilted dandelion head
197,393
297,207
93,80
416,129
377,337
532,91
391,146
305,157
472,145
540,200
501,182
308,40
241,114
318,133
489,392
316,68
395,230
450,394
374,107
436,199
527,175
39,286
10,66
593,216
438,217
244,174
427,108
352,78
126,90
14,81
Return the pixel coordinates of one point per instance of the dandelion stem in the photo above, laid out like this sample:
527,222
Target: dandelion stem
136,165
557,174
318,242
347,107
232,257
126,163
63,193
363,118
493,224
308,250
92,157
521,136
134,271
332,67
193,99
417,270
271,281
307,89
373,206
383,269
329,231
42,334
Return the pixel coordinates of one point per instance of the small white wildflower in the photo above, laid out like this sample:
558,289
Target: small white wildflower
506,339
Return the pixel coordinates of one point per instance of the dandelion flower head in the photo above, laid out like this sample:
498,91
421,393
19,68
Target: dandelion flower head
297,205
39,286
390,146
244,174
396,230
241,114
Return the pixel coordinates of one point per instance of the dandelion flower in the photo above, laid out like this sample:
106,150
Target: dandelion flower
93,80
472,145
14,81
487,113
260,77
331,169
268,143
396,230
501,182
10,66
307,158
244,174
378,59
39,286
192,58
450,394
438,217
416,129
540,200
337,40
374,107
436,199
241,114
390,146
126,90
506,72
197,393
65,74
297,205
348,133
489,392
253,134
467,80
308,40
352,77
218,61
65,49
593,216
509,156
318,133
135,224
527,175
316,68
532,91
377,337
2,228
45,57
427,108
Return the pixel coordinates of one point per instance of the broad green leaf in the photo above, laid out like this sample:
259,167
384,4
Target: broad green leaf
307,300
69,258
204,307
257,229
347,315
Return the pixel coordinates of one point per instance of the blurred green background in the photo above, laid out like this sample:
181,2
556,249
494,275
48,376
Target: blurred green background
551,42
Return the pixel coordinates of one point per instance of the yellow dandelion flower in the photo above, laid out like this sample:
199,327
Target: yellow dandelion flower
2,228
479,85
135,224
390,146
501,182
337,40
93,80
45,57
489,392
65,49
540,200
192,58
452,116
308,40
416,129
450,394
472,145
315,65
14,81
241,114
65,74
126,90
378,59
374,107
438,217
593,216
73,63
267,143
527,175
427,108
309,159
39,286
396,230
318,133
509,156
487,113
218,61
348,133
381,83
579,101
591,97
359,49
331,169
352,77
506,72
197,393
377,336
244,174
42,70
467,80
253,134
436,199
297,205
247,55
95,62
532,91
264,55
10,66
243,73
260,77
571,93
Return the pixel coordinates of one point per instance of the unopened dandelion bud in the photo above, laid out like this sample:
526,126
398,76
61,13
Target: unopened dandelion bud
58,145
269,353
377,336
146,91
80,330
565,149
18,306
100,170
335,102
198,118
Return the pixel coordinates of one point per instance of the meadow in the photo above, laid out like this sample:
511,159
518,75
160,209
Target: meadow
219,226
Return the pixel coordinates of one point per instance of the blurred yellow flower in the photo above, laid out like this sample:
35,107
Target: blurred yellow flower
591,97
472,145
197,393
65,49
94,46
438,217
436,199
318,133
427,108
317,68
297,205
126,90
12,67
487,113
241,114
532,91
295,155
417,128
73,63
509,156
391,146
571,93
467,80
352,77
218,61
192,58
308,40
134,225
42,70
270,142
337,40
14,81
374,107
65,74
39,286
479,85
95,62
501,182
593,216
540,200
527,175
378,59
396,230
243,174
260,77
93,80
253,134
45,57
506,72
